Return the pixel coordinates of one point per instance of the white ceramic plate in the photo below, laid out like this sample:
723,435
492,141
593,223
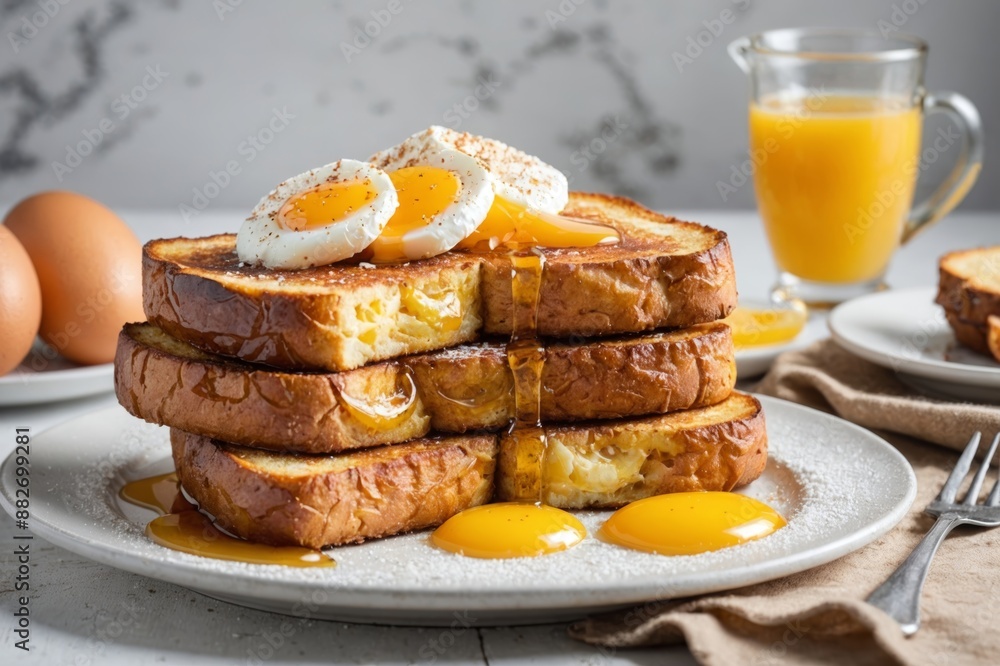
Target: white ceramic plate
47,379
755,361
839,486
905,331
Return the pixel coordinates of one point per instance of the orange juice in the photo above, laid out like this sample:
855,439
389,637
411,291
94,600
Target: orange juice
834,179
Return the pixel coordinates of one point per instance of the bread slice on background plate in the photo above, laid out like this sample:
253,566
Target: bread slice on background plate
969,292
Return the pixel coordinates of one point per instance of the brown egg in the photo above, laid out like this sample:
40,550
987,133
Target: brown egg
89,266
20,302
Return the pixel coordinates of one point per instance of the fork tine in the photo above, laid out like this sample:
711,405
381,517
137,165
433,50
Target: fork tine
950,487
994,498
977,481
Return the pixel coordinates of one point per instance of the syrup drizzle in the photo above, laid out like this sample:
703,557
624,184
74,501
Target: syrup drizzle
478,405
180,526
385,412
526,358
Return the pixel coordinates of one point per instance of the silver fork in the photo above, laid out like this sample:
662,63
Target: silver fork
899,595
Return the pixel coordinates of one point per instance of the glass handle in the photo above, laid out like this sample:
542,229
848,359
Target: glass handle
738,51
963,175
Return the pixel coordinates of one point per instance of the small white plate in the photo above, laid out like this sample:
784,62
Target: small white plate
49,378
755,361
838,485
905,331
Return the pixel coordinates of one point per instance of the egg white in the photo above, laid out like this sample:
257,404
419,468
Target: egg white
261,240
472,202
517,177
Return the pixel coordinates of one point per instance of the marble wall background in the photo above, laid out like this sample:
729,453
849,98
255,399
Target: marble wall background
162,94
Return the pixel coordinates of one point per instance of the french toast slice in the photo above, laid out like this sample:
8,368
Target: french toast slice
664,274
315,501
982,338
611,463
971,335
969,284
470,387
993,336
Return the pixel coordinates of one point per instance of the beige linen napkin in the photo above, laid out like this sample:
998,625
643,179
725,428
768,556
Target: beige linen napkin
819,616
828,377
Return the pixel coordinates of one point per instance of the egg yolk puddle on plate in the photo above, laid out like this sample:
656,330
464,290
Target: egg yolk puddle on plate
511,225
325,204
509,529
690,523
754,327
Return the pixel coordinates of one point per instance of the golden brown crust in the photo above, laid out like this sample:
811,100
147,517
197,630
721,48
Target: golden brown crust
608,464
665,273
648,281
969,284
289,500
256,406
973,336
993,336
197,290
969,292
165,381
593,379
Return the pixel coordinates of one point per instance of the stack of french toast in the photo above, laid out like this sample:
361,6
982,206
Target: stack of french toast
334,403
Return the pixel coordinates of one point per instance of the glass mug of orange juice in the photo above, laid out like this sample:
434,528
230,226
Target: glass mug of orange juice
835,148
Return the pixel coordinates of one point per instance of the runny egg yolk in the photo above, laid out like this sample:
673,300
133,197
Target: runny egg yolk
509,529
325,204
424,193
690,523
511,225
